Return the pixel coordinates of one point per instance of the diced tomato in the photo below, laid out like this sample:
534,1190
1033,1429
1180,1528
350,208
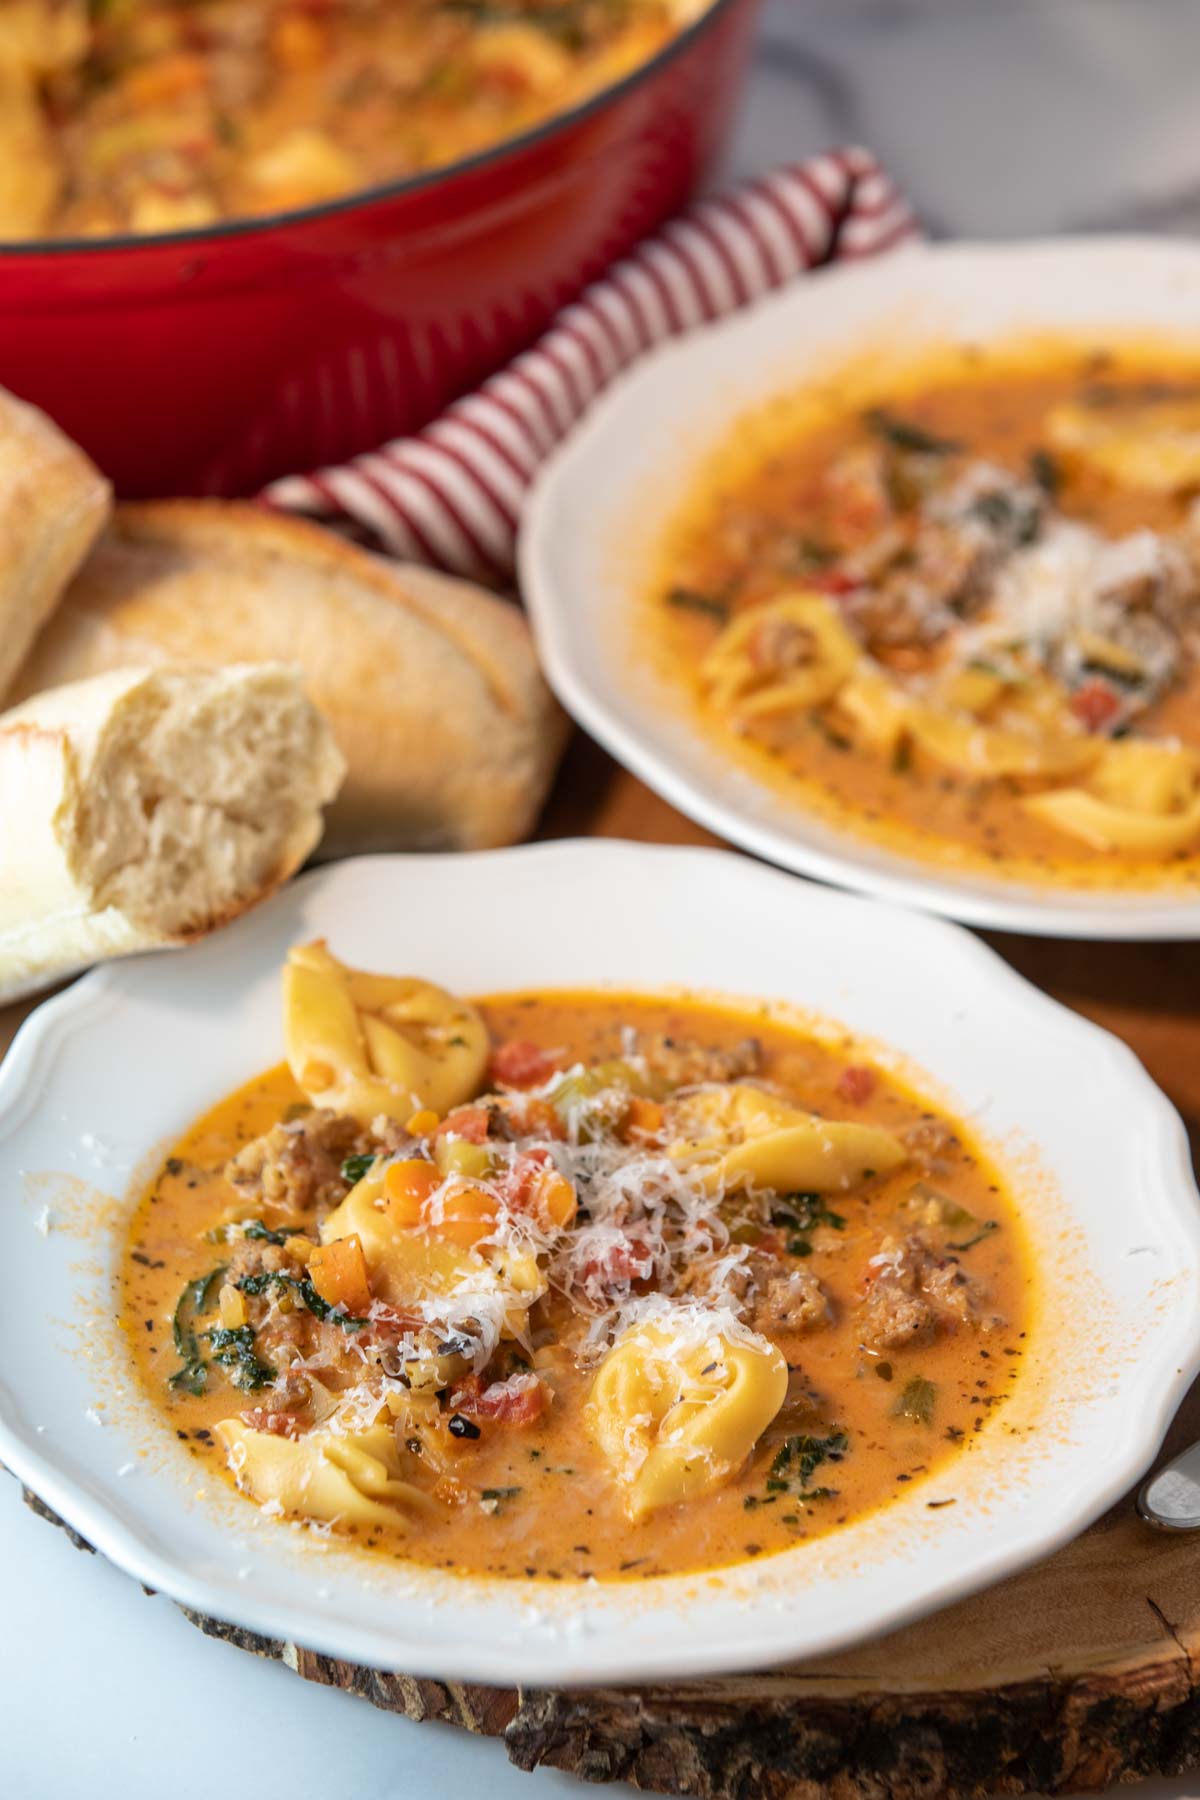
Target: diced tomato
521,1064
279,1424
857,1085
832,581
534,1118
388,1326
520,1400
1096,704
535,1185
509,81
469,1122
464,1396
525,1173
625,1260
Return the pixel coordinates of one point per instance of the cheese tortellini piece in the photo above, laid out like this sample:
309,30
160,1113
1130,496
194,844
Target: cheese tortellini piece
370,1044
745,1136
411,1264
1150,445
678,1405
789,655
1142,796
355,1479
974,746
875,708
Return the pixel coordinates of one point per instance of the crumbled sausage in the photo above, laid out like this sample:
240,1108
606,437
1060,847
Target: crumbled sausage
286,1332
296,1167
913,1291
683,1062
790,1302
932,1145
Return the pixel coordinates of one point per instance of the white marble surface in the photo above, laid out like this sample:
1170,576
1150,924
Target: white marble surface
1001,117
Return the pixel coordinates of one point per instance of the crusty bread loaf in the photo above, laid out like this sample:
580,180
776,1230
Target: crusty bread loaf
53,503
431,685
145,807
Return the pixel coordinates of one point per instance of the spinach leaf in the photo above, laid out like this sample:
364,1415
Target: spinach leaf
1046,471
917,1402
800,1214
901,434
356,1167
689,600
797,1461
985,1230
493,1499
194,1301
305,1292
813,553
835,739
262,1234
1016,518
233,1348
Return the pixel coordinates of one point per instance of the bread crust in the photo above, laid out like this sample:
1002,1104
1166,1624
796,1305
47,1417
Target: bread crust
431,684
53,504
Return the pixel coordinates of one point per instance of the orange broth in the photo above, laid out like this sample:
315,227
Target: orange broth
553,1509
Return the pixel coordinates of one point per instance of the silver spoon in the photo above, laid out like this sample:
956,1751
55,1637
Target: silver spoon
1170,1498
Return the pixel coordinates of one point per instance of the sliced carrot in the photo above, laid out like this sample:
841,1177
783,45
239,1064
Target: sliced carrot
339,1274
646,1117
556,1198
165,79
465,1216
408,1186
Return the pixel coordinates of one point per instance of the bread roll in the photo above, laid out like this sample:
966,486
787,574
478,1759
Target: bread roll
147,807
53,504
431,685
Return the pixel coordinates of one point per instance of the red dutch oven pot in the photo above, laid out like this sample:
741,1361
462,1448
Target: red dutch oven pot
211,361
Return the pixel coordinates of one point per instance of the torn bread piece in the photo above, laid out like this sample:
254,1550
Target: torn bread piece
145,808
432,685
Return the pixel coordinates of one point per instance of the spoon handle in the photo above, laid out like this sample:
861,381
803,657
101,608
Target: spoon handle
1170,1498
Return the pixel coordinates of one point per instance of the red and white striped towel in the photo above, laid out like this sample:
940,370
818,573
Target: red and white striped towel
452,495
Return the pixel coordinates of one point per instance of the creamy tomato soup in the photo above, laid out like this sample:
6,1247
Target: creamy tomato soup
573,1284
145,116
961,612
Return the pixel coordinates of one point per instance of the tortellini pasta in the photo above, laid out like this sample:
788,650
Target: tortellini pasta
745,1136
370,1044
678,1405
356,1479
816,655
875,708
411,1264
1151,445
1142,796
972,746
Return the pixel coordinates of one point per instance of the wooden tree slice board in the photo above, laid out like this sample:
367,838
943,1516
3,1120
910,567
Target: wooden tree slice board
1079,1673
